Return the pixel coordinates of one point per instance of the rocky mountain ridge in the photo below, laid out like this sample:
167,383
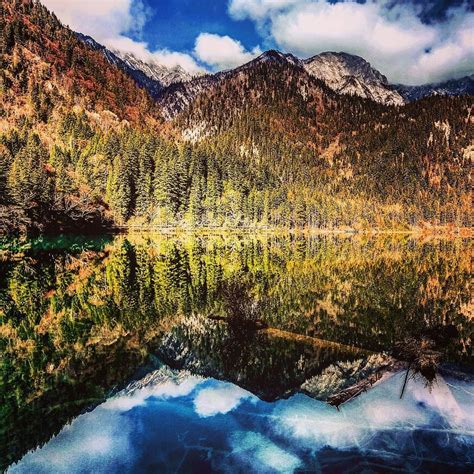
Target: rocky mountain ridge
344,73
453,87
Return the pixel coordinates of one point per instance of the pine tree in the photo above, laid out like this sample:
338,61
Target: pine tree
119,192
198,171
28,183
5,164
63,184
144,186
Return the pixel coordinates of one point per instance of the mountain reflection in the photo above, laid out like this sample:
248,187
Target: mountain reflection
77,321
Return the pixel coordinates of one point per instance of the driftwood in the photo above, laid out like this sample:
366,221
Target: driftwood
419,355
354,391
365,384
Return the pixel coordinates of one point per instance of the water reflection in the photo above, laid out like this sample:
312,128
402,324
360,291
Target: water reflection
76,323
177,422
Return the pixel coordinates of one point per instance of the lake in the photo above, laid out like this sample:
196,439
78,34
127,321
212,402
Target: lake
218,353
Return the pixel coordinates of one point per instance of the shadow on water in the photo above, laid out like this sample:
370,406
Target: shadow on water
273,314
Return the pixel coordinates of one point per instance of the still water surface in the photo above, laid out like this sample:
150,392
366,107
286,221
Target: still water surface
134,333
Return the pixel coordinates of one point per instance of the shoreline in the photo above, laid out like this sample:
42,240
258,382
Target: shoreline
464,232
425,232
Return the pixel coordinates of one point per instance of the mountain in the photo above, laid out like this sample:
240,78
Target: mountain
353,75
150,75
344,73
179,96
83,144
453,87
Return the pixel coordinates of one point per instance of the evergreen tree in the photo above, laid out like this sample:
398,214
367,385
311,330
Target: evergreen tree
119,191
28,183
144,186
197,193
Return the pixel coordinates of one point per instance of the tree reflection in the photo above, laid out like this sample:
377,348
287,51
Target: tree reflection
76,323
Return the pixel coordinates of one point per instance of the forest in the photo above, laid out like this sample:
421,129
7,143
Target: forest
82,147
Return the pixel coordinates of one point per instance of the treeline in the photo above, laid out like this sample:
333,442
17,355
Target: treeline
134,177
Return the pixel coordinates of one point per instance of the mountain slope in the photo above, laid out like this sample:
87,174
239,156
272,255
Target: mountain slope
56,93
365,157
40,53
152,86
345,74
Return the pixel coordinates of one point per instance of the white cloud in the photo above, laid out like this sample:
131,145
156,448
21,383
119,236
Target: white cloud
221,399
93,439
222,52
163,389
103,19
453,57
257,9
163,56
392,37
315,424
261,454
110,21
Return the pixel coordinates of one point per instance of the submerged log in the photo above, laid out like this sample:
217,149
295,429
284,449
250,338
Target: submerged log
354,391
315,341
251,324
420,354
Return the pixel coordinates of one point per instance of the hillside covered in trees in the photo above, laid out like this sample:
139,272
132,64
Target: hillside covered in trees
83,147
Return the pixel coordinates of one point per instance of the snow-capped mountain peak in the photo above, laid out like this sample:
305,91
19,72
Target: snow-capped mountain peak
154,70
276,56
349,74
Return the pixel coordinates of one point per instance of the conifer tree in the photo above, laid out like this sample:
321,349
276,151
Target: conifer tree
119,192
144,185
28,182
5,164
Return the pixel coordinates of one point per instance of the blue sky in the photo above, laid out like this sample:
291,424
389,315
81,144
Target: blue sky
410,41
190,18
